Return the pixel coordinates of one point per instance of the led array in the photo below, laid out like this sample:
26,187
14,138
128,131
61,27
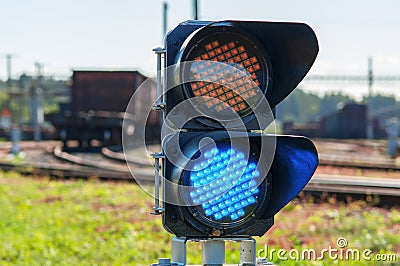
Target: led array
232,85
224,184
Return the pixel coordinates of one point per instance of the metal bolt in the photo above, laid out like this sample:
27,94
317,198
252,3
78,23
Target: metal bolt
216,232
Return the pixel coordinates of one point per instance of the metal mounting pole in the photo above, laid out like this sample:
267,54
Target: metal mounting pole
248,252
179,250
213,252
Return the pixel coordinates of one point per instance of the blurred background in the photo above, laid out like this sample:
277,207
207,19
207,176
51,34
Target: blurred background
358,64
68,70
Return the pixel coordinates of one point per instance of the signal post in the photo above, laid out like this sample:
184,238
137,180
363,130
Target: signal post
222,178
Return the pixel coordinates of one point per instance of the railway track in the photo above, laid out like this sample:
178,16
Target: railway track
363,163
63,172
50,160
111,166
384,191
354,184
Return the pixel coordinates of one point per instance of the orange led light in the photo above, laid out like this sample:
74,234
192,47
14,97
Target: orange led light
226,87
215,44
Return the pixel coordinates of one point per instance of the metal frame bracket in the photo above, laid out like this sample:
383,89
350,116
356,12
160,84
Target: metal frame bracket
161,101
157,209
159,105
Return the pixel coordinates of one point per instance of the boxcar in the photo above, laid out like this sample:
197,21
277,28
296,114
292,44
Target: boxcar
97,107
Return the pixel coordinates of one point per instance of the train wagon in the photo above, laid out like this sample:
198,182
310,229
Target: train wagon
98,102
348,122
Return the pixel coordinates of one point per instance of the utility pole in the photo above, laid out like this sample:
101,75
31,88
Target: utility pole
8,63
37,103
165,18
196,9
38,69
8,58
370,128
15,131
370,76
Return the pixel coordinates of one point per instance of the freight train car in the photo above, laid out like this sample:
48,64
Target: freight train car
348,122
97,107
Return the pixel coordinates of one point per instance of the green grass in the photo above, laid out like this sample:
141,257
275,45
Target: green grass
45,222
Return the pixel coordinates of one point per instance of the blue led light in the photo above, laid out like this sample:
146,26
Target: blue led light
224,184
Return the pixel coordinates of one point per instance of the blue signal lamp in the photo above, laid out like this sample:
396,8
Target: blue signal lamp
229,187
224,183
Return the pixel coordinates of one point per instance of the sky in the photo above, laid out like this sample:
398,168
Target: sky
120,34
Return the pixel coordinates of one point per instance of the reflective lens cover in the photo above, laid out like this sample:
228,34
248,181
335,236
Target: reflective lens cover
226,185
229,70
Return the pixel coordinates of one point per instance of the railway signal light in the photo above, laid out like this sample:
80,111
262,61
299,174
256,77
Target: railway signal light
223,179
